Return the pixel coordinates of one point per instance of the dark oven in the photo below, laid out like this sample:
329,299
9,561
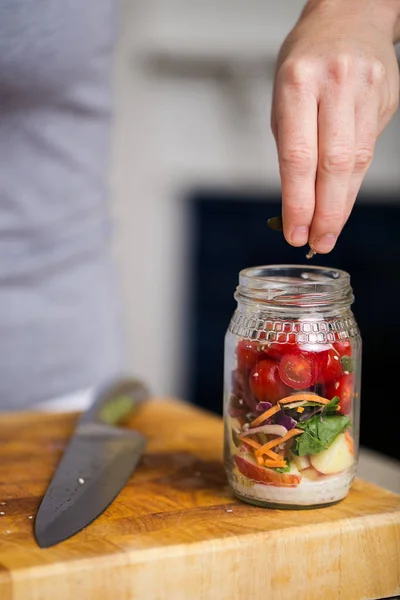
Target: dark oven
230,232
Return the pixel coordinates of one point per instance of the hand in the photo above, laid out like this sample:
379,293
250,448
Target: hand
336,89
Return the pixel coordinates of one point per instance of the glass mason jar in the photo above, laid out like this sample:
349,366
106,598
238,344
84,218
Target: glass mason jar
292,387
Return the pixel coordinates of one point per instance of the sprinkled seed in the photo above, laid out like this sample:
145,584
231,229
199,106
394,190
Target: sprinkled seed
81,480
2,513
310,254
30,517
275,223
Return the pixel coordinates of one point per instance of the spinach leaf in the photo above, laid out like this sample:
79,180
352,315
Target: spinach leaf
307,444
319,433
283,469
347,363
332,407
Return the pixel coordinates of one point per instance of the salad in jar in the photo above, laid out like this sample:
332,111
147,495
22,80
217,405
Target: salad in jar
289,422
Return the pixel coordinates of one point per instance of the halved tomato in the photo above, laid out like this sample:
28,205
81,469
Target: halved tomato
299,370
265,382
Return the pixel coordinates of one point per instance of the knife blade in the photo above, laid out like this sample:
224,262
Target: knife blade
96,465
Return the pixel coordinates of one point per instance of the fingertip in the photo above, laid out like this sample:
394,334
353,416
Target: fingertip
299,236
324,244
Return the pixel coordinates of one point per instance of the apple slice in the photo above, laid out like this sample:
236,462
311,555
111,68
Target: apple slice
310,473
336,458
301,462
247,465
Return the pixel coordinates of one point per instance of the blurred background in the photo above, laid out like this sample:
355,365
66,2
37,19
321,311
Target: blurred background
194,180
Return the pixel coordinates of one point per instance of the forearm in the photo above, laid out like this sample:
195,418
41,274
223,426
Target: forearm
385,13
397,25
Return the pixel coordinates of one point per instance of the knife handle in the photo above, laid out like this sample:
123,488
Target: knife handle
116,402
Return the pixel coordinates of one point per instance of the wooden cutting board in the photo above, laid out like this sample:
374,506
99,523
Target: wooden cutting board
176,533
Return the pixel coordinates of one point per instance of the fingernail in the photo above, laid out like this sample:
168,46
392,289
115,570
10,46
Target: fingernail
325,243
299,236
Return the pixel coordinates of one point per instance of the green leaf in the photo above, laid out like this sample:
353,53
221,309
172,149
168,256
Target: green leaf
283,469
319,432
347,364
307,444
332,407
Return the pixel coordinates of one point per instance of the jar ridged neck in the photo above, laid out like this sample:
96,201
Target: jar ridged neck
295,287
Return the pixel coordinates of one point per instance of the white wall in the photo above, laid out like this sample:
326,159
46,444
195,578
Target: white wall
193,93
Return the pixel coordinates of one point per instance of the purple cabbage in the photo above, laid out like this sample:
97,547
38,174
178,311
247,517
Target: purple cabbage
285,420
263,406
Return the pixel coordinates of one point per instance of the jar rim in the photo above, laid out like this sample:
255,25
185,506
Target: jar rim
301,285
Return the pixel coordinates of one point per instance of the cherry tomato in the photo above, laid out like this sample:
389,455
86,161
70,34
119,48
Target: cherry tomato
344,388
247,355
343,347
330,366
265,382
276,351
299,370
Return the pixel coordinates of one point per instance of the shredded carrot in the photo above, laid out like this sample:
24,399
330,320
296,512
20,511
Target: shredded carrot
300,409
265,415
275,463
299,397
349,441
249,442
260,460
277,441
306,396
256,445
272,455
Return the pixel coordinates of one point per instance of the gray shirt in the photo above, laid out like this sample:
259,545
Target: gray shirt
59,326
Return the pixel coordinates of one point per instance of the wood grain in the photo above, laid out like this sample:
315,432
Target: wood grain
176,533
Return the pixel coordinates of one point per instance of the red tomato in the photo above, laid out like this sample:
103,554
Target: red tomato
276,351
265,382
330,366
343,347
247,355
299,370
344,388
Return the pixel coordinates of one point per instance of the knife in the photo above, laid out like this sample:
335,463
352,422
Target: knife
96,465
